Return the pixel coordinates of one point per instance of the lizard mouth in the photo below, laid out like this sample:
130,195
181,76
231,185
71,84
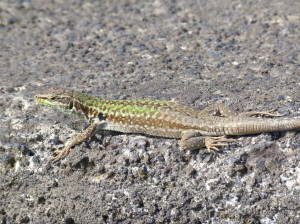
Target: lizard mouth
42,100
37,97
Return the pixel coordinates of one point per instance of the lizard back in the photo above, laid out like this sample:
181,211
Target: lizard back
160,118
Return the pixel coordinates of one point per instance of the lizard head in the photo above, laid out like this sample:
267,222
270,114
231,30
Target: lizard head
59,98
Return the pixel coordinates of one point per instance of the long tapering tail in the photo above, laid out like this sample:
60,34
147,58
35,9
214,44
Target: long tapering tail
246,126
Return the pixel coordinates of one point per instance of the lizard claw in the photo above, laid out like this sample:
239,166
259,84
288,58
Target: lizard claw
212,143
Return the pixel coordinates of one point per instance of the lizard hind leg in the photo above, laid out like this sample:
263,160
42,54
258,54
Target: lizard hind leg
218,110
221,110
192,139
268,113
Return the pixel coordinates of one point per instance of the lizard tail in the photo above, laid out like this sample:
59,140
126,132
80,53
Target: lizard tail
242,126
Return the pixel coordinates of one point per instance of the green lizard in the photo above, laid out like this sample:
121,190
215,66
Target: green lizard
196,129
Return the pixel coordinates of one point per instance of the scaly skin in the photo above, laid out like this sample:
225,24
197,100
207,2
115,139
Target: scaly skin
196,129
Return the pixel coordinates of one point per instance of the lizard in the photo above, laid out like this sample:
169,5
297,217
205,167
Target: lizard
197,129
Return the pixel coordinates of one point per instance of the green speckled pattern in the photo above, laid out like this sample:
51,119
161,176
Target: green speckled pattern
160,118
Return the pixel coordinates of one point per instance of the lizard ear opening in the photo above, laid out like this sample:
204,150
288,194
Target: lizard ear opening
71,106
102,117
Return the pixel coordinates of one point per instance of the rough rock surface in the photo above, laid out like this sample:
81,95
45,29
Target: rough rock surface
245,54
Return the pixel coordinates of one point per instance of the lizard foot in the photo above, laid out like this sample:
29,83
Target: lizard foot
61,154
212,143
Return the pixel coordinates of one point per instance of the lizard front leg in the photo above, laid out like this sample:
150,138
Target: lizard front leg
82,137
192,139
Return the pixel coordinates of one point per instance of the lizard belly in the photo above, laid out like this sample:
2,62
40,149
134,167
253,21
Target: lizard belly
138,129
